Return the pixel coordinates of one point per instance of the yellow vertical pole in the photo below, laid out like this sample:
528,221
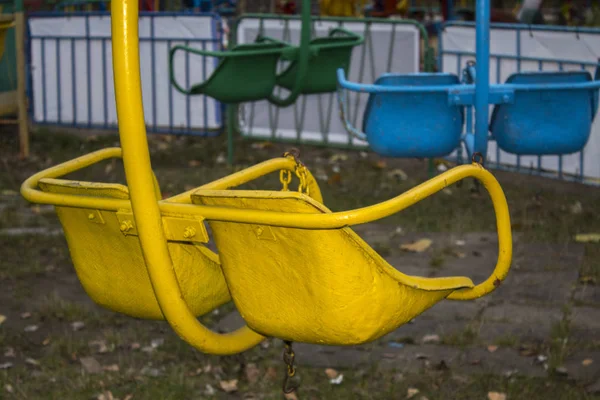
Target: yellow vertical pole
146,212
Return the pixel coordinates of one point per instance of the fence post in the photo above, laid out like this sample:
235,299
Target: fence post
21,88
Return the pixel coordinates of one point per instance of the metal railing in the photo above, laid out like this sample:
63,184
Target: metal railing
519,54
71,84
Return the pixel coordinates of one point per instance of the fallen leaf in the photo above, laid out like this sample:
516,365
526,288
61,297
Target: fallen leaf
108,169
492,348
252,373
576,208
207,368
32,361
229,386
149,371
2,319
36,210
155,343
194,163
100,345
397,174
271,374
337,380
459,254
10,352
562,371
6,365
335,178
77,325
209,391
221,159
411,392
26,315
128,397
31,328
331,373
262,145
460,242
290,396
496,396
419,246
9,388
588,279
90,365
429,339
135,346
380,164
338,157
363,154
588,237
587,362
111,368
105,396
447,191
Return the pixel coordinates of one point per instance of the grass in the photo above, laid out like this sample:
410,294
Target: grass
37,276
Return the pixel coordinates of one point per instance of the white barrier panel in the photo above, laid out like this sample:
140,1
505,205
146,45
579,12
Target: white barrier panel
72,74
541,45
388,48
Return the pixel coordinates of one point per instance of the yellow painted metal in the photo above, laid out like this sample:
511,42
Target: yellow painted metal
103,239
313,280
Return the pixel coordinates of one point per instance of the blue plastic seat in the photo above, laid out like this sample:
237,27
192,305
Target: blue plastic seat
405,124
541,122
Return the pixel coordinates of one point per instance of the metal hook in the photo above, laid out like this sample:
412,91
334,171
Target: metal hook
477,158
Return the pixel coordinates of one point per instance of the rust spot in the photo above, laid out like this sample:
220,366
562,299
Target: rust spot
497,282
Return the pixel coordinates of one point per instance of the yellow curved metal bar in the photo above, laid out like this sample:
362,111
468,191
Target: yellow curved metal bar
385,209
30,191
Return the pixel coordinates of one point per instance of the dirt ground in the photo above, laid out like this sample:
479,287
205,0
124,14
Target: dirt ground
536,337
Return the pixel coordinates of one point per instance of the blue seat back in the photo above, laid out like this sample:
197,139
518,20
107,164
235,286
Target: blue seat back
413,124
548,121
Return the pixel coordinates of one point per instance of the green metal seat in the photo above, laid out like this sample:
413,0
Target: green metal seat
247,72
327,54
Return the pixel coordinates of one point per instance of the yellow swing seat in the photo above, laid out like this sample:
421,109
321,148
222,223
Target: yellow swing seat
314,280
102,238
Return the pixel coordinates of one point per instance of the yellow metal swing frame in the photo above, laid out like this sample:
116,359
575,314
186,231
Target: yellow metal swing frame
325,305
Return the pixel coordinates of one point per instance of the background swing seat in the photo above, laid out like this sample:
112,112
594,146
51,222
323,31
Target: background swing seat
327,54
102,237
409,124
245,73
313,286
108,260
539,122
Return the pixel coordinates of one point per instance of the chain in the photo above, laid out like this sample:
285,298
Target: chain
288,359
300,170
285,177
